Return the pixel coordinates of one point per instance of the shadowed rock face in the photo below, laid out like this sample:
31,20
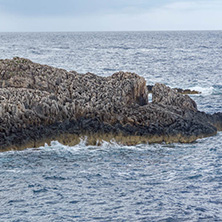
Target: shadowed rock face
39,103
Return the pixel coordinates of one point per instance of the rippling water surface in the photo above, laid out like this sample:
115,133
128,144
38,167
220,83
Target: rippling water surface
158,182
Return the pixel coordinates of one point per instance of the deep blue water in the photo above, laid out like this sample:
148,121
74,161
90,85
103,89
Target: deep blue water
158,182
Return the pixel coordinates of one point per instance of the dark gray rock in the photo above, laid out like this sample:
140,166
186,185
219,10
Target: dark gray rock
179,90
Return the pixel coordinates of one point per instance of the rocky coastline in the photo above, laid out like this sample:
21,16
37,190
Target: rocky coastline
40,103
179,90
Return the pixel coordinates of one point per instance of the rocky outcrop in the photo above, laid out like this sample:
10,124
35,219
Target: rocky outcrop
167,97
187,91
39,103
179,90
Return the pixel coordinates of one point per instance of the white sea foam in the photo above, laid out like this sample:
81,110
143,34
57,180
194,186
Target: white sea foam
103,145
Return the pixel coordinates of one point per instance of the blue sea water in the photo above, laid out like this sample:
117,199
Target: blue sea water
112,182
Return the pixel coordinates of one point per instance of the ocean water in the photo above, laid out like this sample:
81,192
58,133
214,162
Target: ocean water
112,182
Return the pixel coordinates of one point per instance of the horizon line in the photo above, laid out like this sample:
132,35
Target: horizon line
161,30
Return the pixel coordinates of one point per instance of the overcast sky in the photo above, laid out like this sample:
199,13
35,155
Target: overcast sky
110,15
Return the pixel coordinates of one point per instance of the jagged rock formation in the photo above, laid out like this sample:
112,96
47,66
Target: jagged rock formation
179,90
39,103
187,91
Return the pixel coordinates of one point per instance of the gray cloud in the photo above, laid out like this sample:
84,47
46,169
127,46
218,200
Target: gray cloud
109,15
70,7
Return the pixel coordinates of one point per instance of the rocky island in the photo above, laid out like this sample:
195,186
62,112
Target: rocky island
40,103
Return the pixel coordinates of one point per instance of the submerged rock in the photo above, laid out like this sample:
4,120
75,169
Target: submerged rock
39,103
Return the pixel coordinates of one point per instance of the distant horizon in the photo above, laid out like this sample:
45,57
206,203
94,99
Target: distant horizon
201,30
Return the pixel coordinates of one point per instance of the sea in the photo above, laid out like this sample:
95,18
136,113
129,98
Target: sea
113,182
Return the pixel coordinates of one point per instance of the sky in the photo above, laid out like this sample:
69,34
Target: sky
109,15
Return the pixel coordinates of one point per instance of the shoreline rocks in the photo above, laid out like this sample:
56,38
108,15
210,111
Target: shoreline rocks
179,90
39,103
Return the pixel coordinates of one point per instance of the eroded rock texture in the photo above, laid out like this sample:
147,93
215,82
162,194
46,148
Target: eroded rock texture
179,90
39,102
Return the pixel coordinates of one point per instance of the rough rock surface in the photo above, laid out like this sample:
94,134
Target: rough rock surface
167,97
179,90
39,103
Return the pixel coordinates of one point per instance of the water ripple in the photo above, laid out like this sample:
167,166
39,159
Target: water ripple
158,182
